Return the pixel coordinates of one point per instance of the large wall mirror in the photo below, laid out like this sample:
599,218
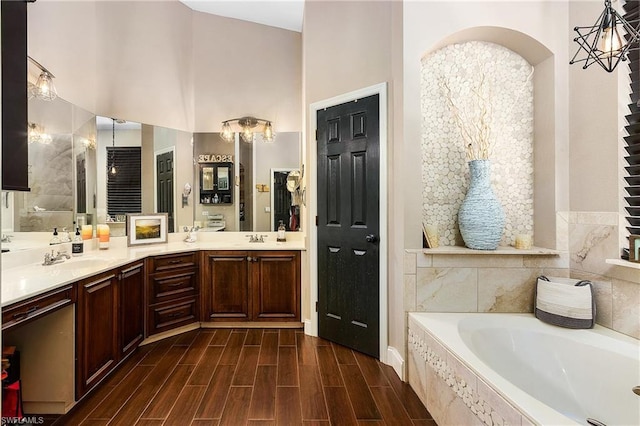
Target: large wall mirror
72,152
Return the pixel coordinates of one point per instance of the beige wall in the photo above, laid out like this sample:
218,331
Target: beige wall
242,68
349,45
160,63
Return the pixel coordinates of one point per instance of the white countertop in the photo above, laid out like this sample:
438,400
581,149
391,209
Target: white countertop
24,276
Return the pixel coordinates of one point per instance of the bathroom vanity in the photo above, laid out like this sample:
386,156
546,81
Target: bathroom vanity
75,321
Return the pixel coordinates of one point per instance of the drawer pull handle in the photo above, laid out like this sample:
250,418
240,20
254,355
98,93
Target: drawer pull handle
174,285
175,315
174,262
25,313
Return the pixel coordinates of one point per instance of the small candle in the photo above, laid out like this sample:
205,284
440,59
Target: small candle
102,232
523,241
87,232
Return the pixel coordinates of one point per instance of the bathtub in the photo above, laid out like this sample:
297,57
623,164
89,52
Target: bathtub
513,368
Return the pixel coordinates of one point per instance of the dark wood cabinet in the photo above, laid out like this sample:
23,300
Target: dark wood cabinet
172,291
131,295
14,96
275,279
109,322
226,286
251,286
96,330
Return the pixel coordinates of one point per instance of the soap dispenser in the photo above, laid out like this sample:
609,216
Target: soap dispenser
77,246
54,239
281,233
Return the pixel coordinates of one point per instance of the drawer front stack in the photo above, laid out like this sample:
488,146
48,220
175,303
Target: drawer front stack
172,291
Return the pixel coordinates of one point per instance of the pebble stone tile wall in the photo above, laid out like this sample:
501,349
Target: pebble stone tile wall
508,92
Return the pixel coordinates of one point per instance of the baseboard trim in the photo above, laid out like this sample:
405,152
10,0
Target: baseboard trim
395,360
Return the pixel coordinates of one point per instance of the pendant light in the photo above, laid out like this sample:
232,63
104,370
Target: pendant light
44,88
608,41
111,168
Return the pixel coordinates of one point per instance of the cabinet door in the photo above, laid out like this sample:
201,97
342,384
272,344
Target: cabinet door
131,294
225,292
97,324
276,286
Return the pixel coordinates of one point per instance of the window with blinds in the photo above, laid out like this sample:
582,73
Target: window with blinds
632,140
124,188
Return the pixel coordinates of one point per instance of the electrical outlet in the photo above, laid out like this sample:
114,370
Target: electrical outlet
267,209
205,213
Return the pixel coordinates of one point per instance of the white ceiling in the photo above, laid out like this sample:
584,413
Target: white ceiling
285,14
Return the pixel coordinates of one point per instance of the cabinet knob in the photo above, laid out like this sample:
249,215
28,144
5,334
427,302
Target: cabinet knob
248,258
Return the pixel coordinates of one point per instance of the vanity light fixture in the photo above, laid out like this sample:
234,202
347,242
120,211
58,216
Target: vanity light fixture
36,134
246,126
44,88
605,42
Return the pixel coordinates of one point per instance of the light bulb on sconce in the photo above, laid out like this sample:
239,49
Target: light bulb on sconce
43,88
226,133
267,133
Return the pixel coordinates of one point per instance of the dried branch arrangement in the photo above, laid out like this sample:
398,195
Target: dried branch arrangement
474,116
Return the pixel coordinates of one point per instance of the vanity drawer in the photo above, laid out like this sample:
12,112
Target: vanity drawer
171,315
170,262
37,306
172,285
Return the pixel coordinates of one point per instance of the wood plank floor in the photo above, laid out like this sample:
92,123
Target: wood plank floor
249,377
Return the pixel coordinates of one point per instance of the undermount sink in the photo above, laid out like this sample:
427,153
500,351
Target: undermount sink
84,263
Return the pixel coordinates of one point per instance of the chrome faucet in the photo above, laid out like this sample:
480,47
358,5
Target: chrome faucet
6,238
50,259
256,238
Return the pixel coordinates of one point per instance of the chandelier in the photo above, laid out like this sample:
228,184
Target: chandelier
605,42
246,126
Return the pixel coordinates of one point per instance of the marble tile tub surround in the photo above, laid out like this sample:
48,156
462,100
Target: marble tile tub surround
494,283
593,238
475,283
454,394
508,88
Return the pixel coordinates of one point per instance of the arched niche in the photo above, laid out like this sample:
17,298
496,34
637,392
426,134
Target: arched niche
545,174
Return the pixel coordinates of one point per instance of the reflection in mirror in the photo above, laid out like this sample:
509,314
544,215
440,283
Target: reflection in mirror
285,207
61,170
207,178
253,202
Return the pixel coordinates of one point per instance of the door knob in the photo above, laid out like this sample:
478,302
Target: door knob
371,238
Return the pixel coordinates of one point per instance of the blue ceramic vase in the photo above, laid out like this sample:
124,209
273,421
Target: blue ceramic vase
481,218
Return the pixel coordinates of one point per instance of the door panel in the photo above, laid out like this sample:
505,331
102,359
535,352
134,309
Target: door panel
348,224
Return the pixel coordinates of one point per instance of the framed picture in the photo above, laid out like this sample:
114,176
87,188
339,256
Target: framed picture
634,248
430,233
146,228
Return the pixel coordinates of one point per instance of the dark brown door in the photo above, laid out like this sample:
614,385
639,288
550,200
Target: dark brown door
131,308
348,224
81,183
281,200
164,185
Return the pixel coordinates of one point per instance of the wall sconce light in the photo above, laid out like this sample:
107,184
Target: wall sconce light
36,134
605,42
246,126
44,88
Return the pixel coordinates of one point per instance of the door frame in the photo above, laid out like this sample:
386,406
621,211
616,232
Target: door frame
171,149
311,327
